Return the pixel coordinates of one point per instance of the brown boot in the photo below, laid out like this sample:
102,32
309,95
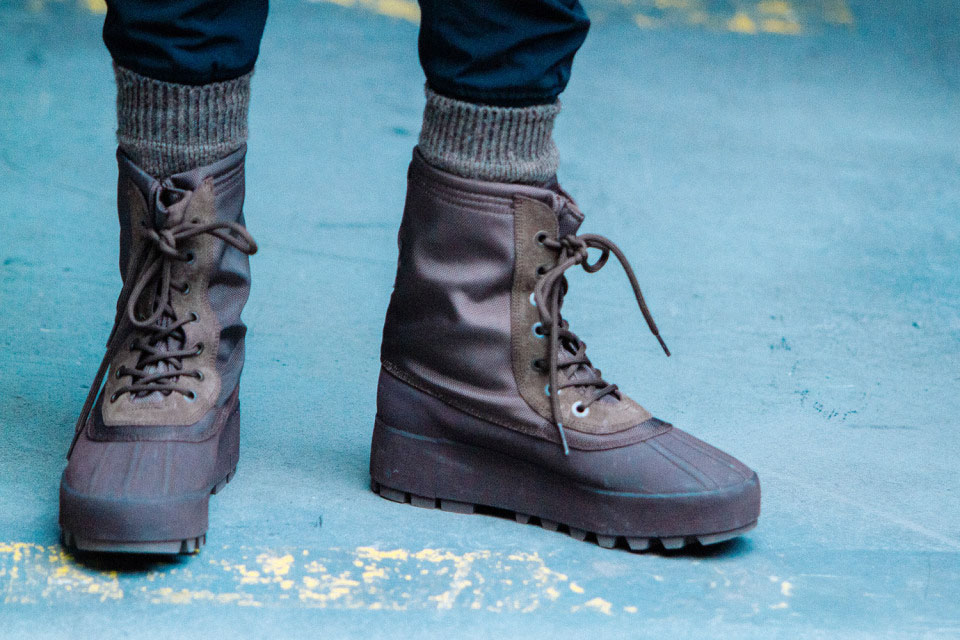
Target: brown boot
487,398
163,433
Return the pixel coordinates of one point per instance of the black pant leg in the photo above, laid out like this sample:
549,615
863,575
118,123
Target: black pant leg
500,52
185,41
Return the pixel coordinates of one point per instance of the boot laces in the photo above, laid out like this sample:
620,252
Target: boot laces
566,351
155,328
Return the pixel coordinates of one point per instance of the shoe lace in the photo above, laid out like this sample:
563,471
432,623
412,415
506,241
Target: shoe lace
146,303
566,351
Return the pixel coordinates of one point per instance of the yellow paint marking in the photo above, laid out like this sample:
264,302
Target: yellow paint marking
373,573
781,17
599,604
741,23
783,27
385,579
278,566
96,6
644,21
837,12
407,10
775,8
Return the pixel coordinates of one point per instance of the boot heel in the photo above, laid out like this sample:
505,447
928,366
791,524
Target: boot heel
414,469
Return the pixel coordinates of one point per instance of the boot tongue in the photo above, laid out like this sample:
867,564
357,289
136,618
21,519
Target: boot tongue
169,208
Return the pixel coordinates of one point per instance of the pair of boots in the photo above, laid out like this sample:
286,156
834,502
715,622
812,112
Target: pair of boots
486,397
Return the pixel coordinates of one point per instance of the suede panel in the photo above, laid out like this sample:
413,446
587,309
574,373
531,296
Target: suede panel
176,408
533,217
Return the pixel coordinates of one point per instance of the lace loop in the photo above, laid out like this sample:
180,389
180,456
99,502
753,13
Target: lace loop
566,350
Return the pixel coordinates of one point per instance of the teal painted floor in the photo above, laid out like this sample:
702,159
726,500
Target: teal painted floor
785,177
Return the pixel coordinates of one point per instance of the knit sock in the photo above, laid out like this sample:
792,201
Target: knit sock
167,128
499,144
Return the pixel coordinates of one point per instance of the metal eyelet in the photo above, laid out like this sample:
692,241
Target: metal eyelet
116,374
194,316
546,390
191,257
540,237
533,299
538,331
190,396
541,270
114,398
199,349
579,410
537,365
200,376
186,289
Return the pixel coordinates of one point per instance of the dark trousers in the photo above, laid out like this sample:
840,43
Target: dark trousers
502,52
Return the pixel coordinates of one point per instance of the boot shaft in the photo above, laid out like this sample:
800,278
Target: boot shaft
462,323
217,278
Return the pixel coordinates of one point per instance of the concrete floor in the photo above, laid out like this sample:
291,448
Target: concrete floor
785,177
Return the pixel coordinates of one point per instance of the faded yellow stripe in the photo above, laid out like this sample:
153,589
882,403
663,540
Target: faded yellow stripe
407,10
782,17
360,578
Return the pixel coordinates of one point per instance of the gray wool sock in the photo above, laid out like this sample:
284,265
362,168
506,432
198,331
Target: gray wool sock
167,128
500,144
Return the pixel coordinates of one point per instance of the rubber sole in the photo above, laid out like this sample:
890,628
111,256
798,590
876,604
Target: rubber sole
633,543
159,547
431,472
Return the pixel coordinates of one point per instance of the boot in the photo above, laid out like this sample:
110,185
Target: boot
163,433
487,398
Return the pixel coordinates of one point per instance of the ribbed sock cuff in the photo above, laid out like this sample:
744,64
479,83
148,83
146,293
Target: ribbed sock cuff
167,128
500,144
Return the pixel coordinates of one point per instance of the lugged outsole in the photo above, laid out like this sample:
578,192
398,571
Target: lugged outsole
632,543
160,547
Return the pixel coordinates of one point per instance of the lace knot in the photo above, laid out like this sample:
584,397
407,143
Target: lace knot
566,350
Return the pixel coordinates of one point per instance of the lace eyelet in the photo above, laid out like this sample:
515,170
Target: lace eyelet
541,270
533,299
194,316
116,374
579,410
199,349
546,390
186,289
114,398
537,365
191,257
200,375
538,331
190,396
540,237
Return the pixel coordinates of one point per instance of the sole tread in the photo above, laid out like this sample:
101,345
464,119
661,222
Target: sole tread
633,543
